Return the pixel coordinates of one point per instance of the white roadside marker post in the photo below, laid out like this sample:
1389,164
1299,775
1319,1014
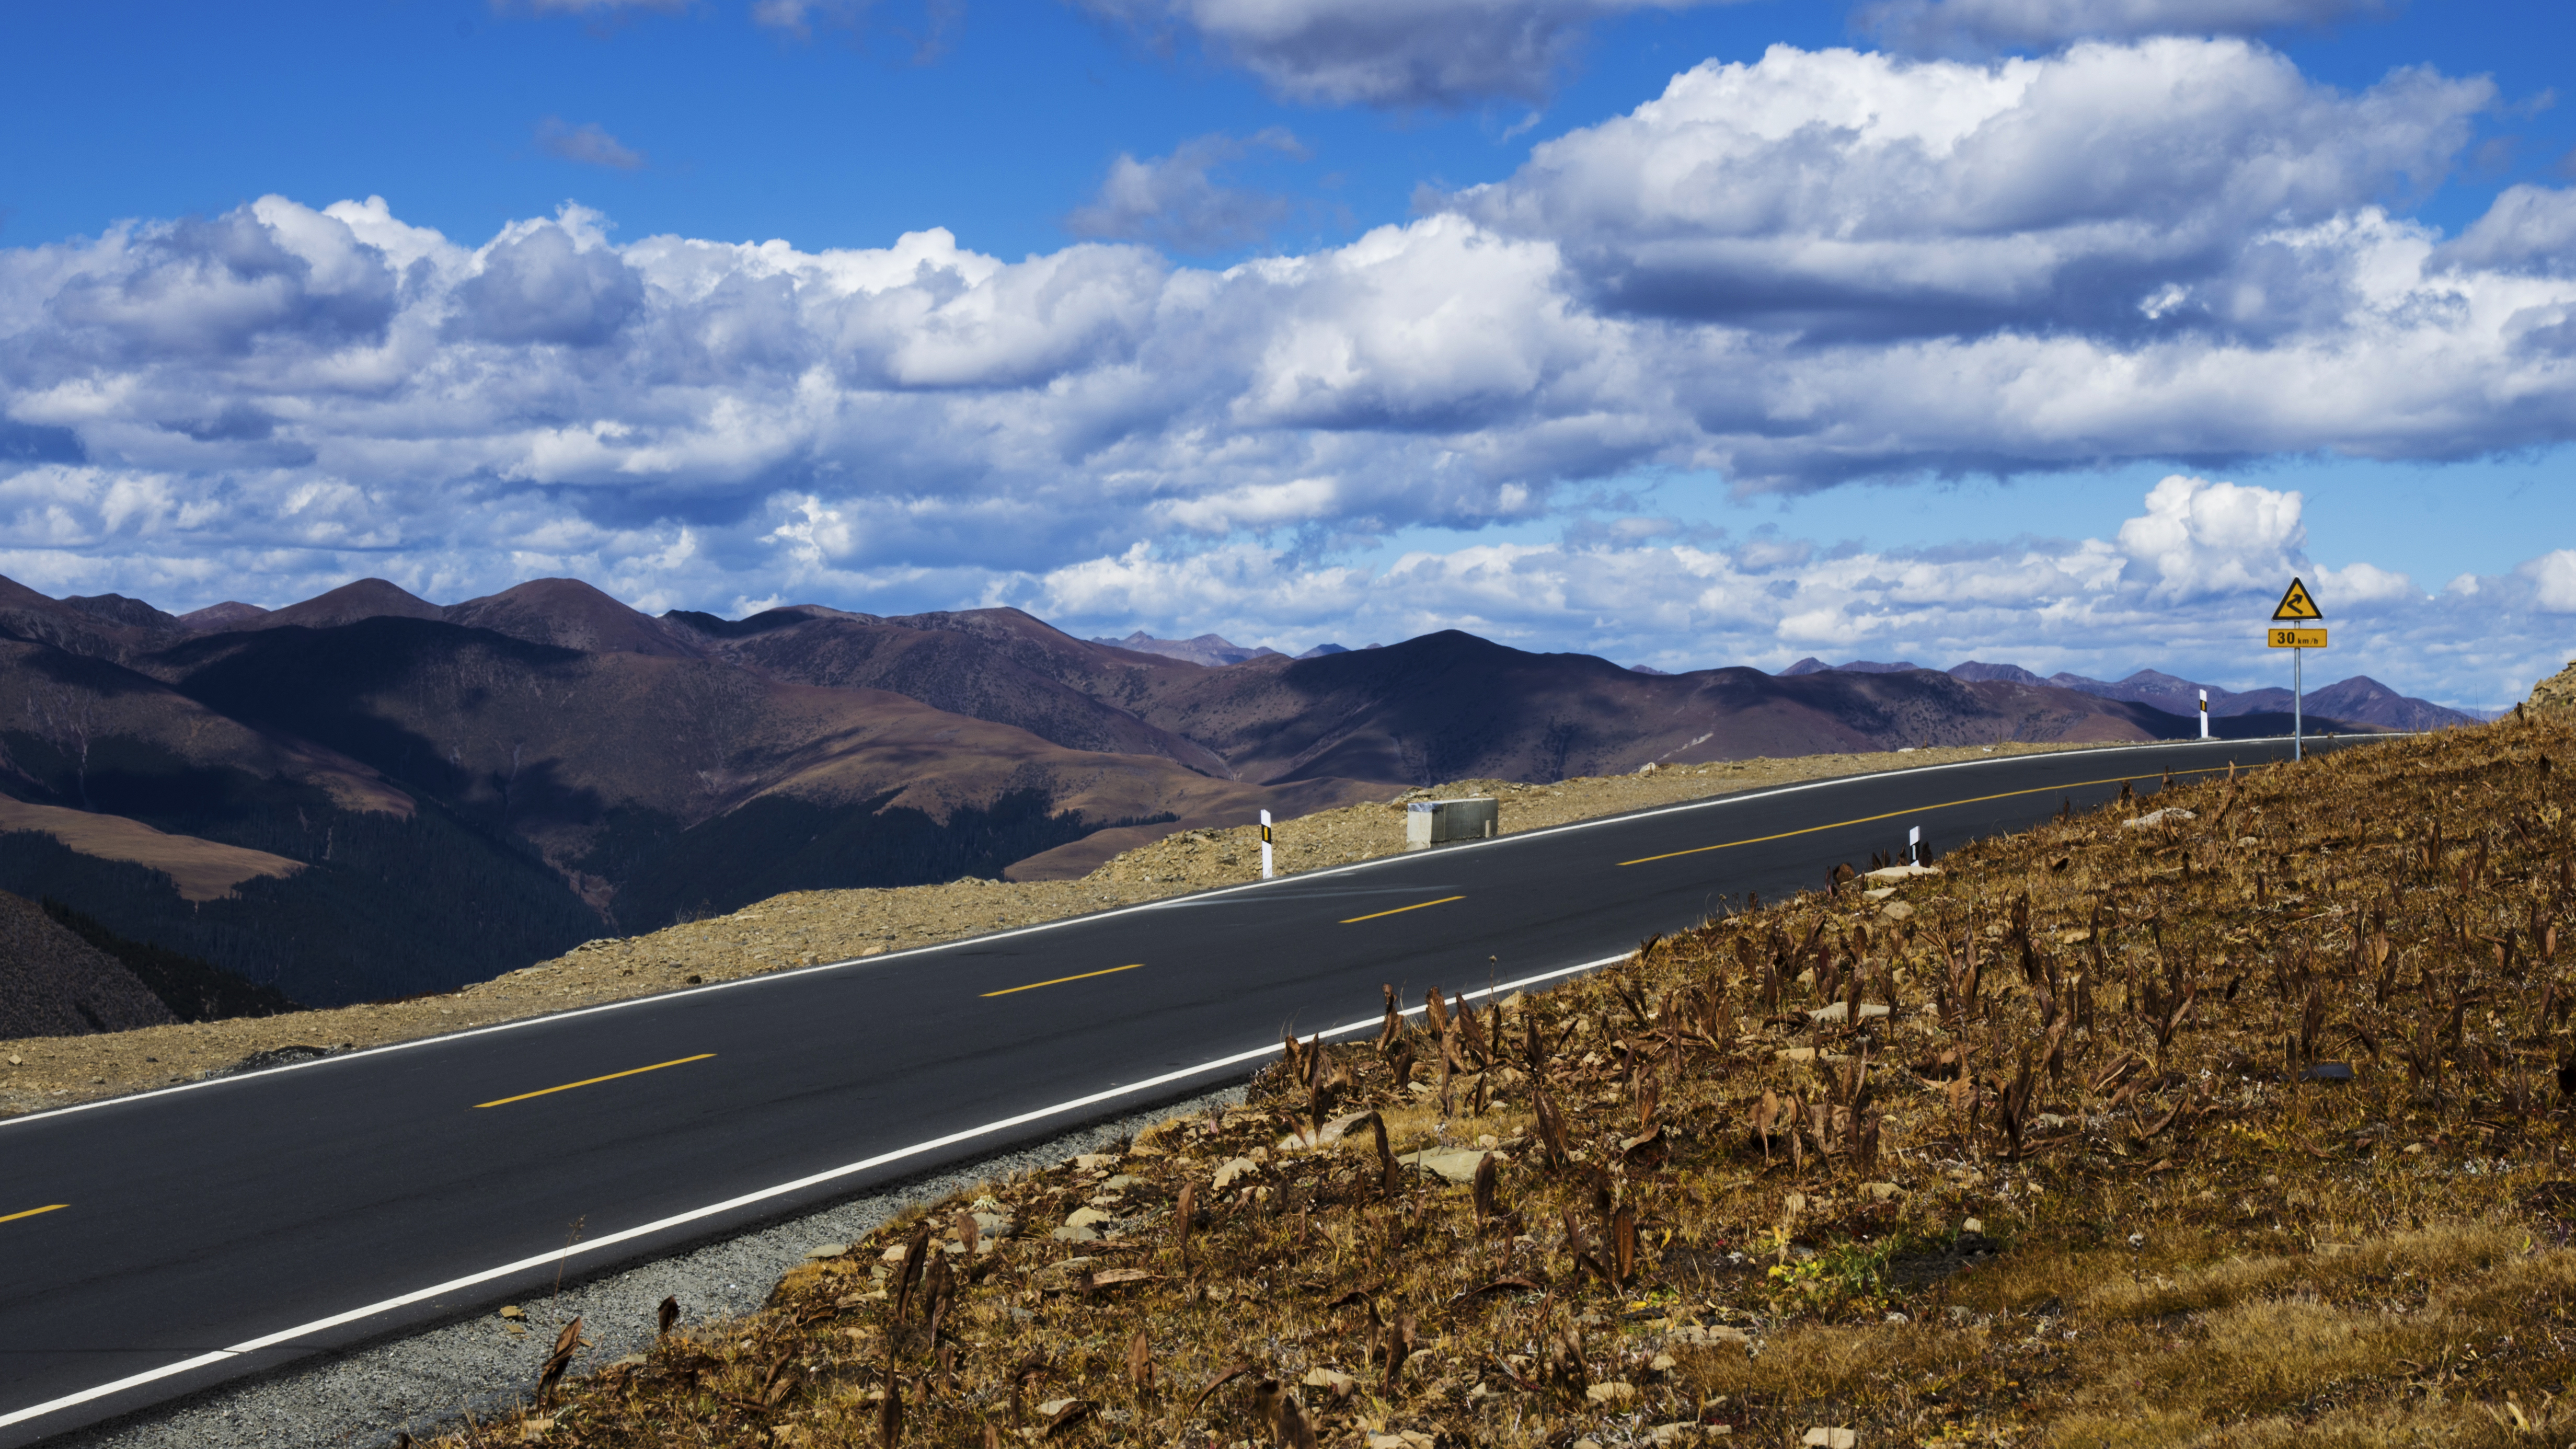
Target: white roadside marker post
2204,714
1914,845
1265,845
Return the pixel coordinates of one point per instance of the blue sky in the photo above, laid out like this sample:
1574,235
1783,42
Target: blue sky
1309,319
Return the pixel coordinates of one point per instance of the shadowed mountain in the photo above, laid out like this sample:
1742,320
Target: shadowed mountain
53,983
401,803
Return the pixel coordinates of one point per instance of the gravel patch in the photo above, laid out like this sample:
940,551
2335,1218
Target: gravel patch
480,1366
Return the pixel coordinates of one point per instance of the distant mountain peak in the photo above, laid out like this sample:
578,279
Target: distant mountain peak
350,603
1975,671
217,618
1809,665
1212,650
1872,666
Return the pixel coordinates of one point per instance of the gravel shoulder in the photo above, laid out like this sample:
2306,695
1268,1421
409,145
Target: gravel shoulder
804,928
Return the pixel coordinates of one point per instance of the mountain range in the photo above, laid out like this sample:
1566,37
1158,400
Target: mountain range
365,794
2360,700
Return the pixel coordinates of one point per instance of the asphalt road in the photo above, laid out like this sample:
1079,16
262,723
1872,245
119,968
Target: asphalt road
156,1245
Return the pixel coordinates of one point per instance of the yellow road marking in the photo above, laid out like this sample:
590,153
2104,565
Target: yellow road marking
51,1207
1917,810
1400,910
1059,981
594,1081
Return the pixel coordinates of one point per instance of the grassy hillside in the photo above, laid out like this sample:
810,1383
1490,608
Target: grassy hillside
2241,1126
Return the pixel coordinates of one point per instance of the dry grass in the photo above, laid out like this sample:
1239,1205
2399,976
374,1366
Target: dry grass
2129,1220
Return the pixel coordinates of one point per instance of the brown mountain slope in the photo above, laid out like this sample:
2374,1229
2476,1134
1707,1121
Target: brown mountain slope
992,664
573,615
347,604
53,983
607,762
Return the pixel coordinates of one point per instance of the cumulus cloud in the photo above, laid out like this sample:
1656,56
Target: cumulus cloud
587,144
1818,267
1176,201
1985,25
2134,191
1434,53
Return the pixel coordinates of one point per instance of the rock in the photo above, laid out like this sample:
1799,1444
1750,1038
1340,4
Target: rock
513,1312
1096,1161
1830,1439
532,1430
1337,1383
1233,1170
1616,1394
1122,1180
1896,911
995,1225
2158,817
1880,894
1842,1009
827,1250
1882,1191
1972,1225
1457,1165
1903,872
1082,1225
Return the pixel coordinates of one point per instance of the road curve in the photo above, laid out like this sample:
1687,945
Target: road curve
155,1245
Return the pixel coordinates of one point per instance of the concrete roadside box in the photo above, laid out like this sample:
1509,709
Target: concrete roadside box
1437,822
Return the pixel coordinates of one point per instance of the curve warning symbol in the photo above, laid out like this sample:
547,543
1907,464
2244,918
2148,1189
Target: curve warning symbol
2296,604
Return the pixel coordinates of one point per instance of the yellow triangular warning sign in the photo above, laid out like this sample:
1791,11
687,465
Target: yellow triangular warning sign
2296,604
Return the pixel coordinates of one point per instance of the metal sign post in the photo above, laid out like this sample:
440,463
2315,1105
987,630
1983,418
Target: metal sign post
2297,606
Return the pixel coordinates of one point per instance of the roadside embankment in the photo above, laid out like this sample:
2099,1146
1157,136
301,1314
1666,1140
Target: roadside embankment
2233,1117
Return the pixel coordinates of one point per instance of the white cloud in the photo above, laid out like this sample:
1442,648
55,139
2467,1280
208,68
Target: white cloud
1176,200
2132,192
1978,25
2199,538
1442,53
588,144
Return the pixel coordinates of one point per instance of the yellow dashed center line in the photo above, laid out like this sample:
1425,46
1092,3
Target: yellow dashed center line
1897,814
594,1081
1059,981
51,1207
1400,910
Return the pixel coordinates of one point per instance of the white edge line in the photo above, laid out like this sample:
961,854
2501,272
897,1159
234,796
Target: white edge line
454,1285
1166,903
